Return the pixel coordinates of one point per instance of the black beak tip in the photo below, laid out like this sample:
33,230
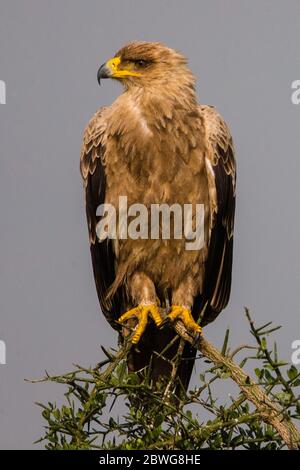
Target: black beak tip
99,73
103,72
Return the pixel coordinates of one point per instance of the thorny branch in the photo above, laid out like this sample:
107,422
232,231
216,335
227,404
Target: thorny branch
269,412
92,387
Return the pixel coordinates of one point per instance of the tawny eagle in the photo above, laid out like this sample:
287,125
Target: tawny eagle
155,144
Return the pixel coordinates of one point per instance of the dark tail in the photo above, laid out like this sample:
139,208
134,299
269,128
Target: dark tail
153,352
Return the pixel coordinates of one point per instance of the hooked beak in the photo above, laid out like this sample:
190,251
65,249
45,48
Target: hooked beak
111,69
104,72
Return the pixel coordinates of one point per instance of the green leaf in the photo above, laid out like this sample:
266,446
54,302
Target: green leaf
292,372
243,362
159,419
284,397
225,344
268,376
264,343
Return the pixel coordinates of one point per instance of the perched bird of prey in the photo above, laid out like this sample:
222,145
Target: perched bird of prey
155,144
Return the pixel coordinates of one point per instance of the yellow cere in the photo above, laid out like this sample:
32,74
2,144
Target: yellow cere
114,63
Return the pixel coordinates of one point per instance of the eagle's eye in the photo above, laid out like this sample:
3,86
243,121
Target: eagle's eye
141,62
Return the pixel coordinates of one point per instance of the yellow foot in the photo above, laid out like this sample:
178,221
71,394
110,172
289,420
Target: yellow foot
141,313
179,312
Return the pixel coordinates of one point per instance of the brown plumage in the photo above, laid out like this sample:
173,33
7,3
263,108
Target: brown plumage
156,144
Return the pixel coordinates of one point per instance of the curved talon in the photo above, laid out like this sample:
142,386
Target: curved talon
179,312
141,313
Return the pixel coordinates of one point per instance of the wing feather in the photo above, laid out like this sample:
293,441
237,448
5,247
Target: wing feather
221,171
103,257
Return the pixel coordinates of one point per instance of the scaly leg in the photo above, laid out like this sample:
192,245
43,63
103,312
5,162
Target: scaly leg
142,312
142,292
182,300
180,312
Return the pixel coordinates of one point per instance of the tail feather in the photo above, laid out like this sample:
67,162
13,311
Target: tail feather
152,351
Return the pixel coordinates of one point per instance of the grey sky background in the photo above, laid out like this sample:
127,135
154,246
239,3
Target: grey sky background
245,56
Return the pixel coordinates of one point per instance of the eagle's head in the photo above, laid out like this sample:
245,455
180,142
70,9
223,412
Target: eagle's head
144,64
